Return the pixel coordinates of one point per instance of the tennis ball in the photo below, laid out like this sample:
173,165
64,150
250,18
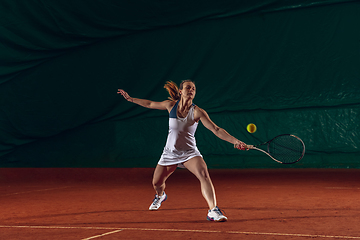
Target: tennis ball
251,128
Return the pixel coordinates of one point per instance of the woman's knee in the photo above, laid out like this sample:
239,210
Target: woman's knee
204,174
161,174
157,184
158,180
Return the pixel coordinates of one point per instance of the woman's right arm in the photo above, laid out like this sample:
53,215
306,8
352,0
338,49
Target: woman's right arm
165,105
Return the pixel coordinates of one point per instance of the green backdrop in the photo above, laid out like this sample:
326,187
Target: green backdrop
287,66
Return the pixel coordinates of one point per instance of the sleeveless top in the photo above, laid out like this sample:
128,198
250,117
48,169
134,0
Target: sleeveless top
181,144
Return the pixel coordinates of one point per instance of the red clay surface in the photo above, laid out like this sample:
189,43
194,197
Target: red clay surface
112,204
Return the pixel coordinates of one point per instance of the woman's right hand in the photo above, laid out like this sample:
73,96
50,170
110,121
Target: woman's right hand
125,95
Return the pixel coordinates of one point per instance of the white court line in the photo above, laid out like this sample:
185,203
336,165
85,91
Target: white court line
187,230
41,190
97,236
295,235
345,188
60,227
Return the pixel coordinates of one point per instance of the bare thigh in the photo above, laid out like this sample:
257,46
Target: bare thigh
198,167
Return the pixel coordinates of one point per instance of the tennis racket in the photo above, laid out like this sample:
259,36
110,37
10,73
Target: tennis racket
285,148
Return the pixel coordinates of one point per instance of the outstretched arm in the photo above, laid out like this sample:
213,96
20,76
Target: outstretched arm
219,132
165,105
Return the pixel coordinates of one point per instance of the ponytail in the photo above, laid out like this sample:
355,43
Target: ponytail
173,90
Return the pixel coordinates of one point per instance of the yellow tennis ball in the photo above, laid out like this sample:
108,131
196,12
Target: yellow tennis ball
251,128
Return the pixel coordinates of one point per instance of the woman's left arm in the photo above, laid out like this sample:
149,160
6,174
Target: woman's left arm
218,131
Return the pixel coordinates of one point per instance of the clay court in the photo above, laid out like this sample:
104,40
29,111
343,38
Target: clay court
113,204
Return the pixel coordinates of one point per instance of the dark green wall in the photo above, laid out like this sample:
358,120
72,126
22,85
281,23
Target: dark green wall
287,66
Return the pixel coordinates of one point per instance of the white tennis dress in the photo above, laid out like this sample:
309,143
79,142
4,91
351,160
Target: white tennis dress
181,144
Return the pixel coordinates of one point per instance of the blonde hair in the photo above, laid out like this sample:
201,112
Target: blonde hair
173,89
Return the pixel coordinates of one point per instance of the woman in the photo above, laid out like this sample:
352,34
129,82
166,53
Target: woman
180,149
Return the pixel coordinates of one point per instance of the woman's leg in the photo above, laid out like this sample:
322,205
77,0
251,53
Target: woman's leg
198,167
161,173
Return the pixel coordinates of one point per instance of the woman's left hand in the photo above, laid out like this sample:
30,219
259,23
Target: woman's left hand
241,145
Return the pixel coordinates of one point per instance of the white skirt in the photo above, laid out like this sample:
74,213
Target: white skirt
174,157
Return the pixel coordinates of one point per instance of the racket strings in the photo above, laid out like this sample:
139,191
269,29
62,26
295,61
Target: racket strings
286,149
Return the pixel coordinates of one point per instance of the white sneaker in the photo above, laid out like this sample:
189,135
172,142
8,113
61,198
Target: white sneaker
216,215
157,201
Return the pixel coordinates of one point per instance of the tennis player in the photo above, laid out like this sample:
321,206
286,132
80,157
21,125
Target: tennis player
180,149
